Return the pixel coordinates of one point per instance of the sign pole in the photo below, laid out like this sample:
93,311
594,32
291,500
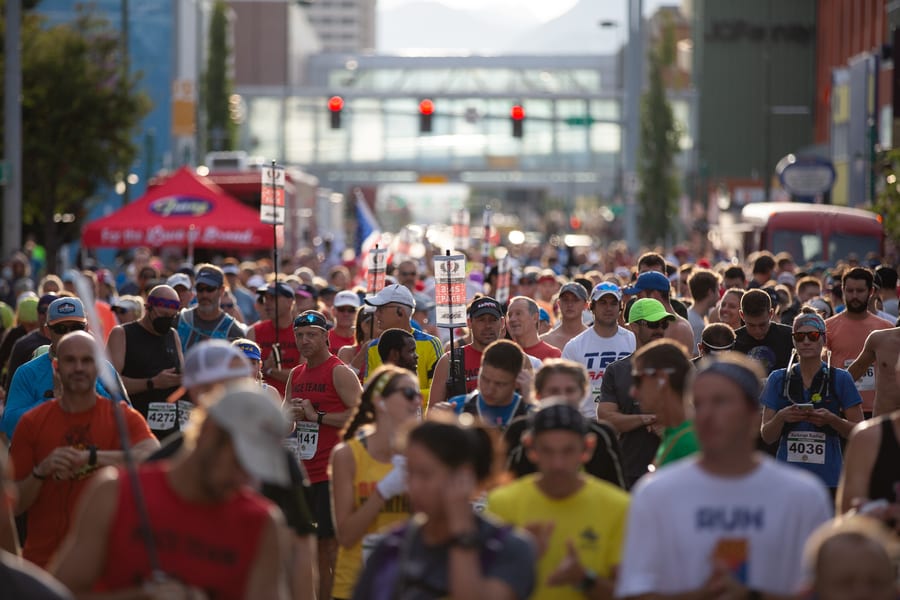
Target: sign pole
454,363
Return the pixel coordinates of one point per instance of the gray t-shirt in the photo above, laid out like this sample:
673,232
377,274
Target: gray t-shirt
403,567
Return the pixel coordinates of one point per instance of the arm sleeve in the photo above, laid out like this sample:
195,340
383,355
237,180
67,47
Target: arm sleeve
772,394
848,395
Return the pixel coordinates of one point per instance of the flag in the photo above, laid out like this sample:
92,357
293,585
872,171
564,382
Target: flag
366,224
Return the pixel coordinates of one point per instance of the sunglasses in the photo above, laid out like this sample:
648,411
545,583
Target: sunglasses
408,393
227,305
638,376
345,309
662,324
63,328
206,289
310,320
812,336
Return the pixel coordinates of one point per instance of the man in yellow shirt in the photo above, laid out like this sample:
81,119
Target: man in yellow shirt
578,520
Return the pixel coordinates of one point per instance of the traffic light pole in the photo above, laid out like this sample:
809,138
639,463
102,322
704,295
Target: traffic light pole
631,105
12,130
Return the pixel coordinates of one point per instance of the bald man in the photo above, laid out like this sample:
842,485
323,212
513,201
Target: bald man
59,445
147,352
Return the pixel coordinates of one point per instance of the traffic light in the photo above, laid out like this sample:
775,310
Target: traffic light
517,115
426,110
335,106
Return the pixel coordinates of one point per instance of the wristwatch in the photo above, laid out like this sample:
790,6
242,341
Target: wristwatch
469,540
321,415
92,456
150,385
589,581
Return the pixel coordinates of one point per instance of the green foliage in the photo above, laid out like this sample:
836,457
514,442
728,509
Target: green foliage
221,130
887,200
79,118
657,199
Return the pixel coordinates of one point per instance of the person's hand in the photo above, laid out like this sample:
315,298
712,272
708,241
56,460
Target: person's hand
309,411
448,407
523,382
889,514
818,417
569,570
722,585
168,589
657,429
296,410
62,462
167,378
792,414
541,531
394,483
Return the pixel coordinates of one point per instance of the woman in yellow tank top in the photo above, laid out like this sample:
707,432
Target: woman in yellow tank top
368,476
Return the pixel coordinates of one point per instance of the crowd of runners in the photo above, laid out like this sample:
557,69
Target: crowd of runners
661,427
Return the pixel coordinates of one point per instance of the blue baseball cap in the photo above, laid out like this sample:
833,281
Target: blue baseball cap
605,288
649,281
63,310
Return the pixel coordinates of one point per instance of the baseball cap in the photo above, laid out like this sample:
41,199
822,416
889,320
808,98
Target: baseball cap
392,294
346,298
65,309
231,269
209,276
248,347
424,302
647,281
179,279
257,426
27,310
45,301
255,282
605,288
305,290
125,304
280,288
648,309
555,416
484,305
312,318
574,288
543,315
547,275
213,361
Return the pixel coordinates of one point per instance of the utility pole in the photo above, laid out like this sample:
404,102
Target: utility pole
12,130
631,108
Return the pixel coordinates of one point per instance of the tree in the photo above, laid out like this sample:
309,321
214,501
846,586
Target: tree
658,195
80,111
221,129
887,200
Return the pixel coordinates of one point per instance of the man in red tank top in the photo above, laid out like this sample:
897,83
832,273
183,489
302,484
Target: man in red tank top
281,297
323,393
214,536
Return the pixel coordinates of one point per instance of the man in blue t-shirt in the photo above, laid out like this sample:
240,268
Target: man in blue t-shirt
495,400
808,410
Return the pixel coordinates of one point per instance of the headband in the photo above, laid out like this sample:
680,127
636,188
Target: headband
809,320
743,377
163,302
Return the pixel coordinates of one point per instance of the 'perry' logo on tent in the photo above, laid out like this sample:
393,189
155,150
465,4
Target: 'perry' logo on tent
180,206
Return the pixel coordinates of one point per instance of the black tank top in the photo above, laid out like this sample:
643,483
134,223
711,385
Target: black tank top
146,355
885,478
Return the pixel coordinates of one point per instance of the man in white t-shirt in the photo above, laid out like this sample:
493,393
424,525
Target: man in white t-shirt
602,344
731,523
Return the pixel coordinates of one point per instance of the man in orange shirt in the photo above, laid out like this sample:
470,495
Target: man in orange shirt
846,332
60,444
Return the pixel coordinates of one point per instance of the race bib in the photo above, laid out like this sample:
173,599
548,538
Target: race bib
305,440
368,545
806,447
161,416
184,413
867,381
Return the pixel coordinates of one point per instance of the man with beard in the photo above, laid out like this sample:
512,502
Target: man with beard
639,432
846,332
207,320
398,347
147,353
485,322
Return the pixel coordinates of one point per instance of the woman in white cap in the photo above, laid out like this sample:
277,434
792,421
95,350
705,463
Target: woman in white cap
368,487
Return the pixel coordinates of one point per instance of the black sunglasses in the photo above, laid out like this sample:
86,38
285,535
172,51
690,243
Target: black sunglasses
662,324
206,288
63,328
408,392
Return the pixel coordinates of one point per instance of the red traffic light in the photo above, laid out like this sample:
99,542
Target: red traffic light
426,107
335,104
517,112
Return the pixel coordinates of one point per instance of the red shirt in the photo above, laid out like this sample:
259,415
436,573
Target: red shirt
45,428
543,351
209,546
472,364
264,332
317,385
336,342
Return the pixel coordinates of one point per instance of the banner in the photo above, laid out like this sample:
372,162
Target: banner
271,206
450,290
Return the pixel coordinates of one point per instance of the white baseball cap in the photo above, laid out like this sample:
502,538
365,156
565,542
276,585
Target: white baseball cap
393,294
179,279
257,426
213,361
346,298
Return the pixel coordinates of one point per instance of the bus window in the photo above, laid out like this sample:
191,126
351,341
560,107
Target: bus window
845,244
804,246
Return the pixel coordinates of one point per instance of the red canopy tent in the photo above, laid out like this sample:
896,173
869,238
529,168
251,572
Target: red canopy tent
187,210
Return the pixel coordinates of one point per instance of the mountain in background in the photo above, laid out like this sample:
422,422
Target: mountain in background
434,26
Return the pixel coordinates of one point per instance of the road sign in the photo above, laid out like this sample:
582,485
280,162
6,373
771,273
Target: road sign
271,206
580,121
